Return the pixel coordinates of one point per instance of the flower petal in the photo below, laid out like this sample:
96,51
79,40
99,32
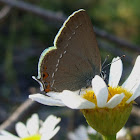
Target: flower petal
74,101
100,90
54,95
134,77
46,100
50,123
115,100
48,129
92,131
33,124
4,135
21,130
79,134
72,136
49,135
8,138
115,72
136,92
121,133
57,95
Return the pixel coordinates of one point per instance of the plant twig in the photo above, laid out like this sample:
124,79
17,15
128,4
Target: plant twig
49,16
58,19
20,113
4,11
120,42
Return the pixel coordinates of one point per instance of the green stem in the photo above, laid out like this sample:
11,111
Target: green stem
112,137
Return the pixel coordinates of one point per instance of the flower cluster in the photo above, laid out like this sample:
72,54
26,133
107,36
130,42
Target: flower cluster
110,104
88,133
82,133
32,129
105,96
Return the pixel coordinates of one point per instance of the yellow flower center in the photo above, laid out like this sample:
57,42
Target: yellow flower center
119,90
34,137
90,96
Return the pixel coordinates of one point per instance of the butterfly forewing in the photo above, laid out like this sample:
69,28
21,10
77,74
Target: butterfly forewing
76,59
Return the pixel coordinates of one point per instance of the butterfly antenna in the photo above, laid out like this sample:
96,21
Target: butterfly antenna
93,96
79,91
108,90
105,60
103,73
113,62
134,85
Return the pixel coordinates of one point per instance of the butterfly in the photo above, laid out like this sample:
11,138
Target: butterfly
74,59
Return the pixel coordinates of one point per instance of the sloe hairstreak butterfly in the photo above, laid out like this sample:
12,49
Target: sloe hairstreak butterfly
73,60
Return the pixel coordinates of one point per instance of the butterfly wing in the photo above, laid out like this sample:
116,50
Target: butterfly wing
75,57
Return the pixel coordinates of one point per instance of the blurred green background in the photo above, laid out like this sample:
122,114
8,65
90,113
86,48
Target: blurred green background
23,36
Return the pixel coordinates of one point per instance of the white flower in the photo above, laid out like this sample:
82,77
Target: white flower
122,133
32,129
78,101
90,130
81,133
